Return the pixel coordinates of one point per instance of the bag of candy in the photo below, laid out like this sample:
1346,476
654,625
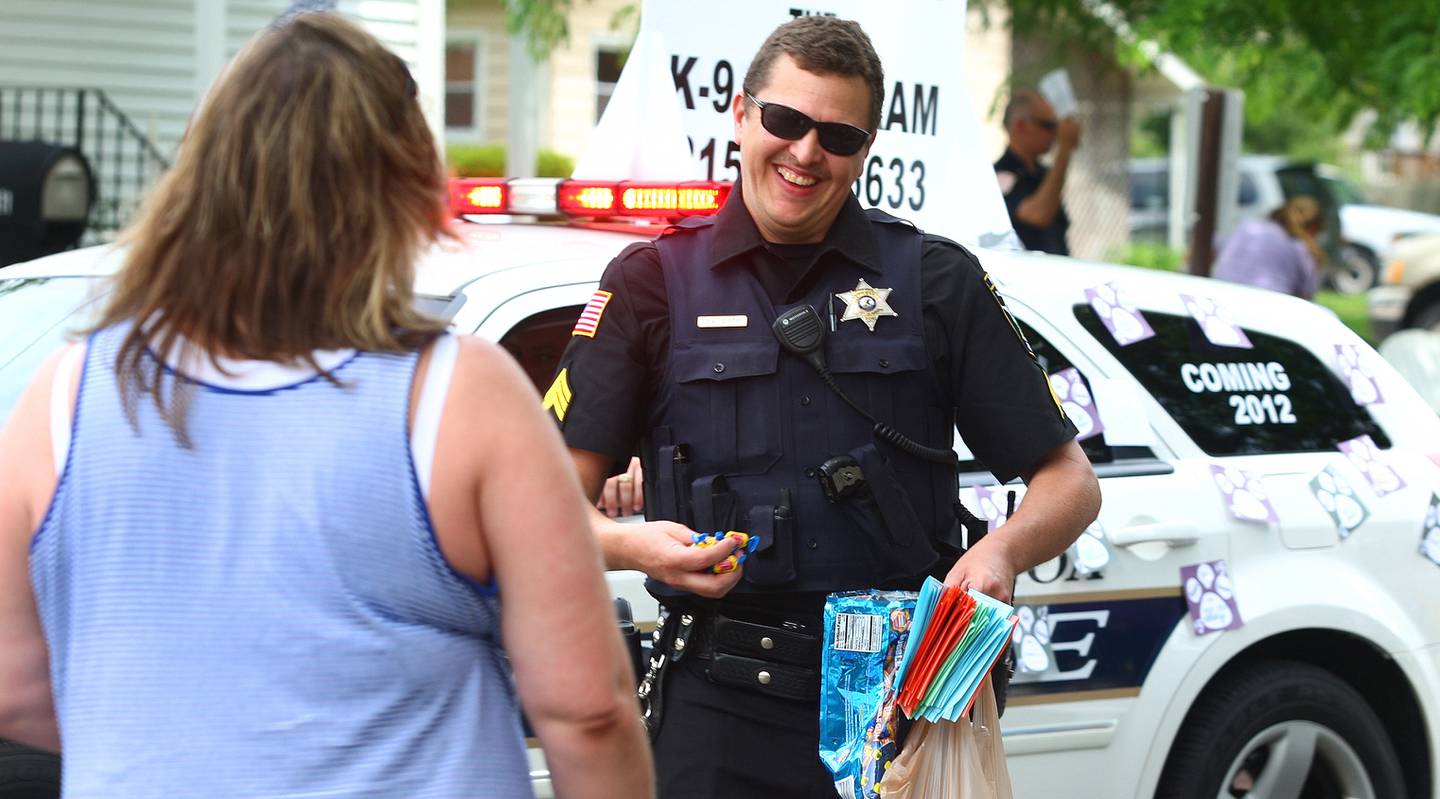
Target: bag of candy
865,634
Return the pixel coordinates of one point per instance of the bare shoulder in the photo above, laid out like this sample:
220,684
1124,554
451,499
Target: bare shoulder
483,365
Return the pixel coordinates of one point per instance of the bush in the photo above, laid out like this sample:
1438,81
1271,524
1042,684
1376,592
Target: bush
1149,256
488,161
550,164
476,160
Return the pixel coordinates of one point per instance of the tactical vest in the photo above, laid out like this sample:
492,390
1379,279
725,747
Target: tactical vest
741,426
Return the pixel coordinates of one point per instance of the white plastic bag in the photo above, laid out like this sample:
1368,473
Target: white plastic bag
952,760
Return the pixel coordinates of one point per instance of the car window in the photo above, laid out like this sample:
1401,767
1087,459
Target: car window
1077,389
538,342
37,316
1149,190
1277,397
1247,194
1344,192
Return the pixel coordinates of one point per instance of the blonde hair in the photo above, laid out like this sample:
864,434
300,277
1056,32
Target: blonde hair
303,191
1302,217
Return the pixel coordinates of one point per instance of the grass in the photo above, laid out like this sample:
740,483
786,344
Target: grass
1351,308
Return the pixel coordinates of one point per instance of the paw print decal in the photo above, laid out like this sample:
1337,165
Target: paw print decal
1075,399
1430,534
1124,321
1210,597
1357,374
1215,323
991,503
1245,495
1031,640
1338,498
1366,457
1089,553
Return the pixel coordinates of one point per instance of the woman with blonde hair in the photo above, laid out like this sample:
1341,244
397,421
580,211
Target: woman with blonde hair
254,531
1279,252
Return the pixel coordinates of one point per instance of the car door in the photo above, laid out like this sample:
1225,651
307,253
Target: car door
1094,621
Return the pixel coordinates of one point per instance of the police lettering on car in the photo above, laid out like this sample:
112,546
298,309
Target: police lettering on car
832,446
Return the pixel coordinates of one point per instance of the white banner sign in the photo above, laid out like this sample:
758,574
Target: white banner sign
926,163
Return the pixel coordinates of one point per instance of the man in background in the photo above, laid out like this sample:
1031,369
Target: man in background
1032,191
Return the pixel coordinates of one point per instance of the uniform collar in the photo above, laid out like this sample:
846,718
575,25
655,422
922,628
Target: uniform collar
737,235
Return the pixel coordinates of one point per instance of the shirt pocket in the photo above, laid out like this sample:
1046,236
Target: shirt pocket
732,385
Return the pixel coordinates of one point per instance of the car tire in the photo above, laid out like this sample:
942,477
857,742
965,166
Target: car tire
28,774
1276,723
1355,271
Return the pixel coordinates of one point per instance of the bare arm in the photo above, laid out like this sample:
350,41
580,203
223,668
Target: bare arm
1061,500
571,670
1040,208
660,549
27,481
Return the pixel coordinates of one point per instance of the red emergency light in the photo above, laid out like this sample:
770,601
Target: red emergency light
633,198
479,196
587,198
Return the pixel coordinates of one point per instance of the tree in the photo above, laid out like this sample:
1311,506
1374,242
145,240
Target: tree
1315,63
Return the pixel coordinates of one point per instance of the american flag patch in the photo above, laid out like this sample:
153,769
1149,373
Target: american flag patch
590,317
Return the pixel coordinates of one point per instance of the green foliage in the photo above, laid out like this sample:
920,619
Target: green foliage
488,161
1305,67
1148,256
545,23
550,164
476,160
1352,310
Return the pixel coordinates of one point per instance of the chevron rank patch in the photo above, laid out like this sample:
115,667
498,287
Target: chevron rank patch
558,396
589,319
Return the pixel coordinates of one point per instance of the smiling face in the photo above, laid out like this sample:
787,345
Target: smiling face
795,189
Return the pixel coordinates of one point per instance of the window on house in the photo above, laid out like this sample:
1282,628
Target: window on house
608,63
464,90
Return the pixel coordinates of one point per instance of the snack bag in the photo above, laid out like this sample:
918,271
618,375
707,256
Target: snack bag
865,633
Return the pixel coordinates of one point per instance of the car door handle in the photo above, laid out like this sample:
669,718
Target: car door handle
1169,533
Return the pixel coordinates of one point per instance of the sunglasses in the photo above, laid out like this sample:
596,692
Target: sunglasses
785,122
1048,124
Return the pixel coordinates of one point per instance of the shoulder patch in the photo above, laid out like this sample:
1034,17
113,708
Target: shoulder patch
558,396
589,320
1007,180
1005,311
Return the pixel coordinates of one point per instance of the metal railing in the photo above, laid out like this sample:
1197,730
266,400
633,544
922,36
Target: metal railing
124,160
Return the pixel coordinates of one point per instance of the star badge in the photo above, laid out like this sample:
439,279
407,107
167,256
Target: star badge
866,303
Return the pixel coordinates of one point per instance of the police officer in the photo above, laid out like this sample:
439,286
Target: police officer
1032,191
675,357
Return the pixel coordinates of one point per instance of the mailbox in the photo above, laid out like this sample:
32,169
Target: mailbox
46,193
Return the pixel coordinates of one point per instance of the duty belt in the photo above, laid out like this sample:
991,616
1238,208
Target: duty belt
776,660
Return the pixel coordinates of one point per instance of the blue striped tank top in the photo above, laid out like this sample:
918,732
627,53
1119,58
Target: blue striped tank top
266,613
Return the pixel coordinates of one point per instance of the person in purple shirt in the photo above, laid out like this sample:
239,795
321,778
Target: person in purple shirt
1278,252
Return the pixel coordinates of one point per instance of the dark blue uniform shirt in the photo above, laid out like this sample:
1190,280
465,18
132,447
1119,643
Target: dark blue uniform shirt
1004,407
1050,238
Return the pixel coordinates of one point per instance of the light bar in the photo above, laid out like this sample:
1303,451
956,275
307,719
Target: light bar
591,199
583,198
478,196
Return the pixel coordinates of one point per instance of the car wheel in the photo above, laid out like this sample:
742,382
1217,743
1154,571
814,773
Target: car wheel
1287,729
28,774
1355,271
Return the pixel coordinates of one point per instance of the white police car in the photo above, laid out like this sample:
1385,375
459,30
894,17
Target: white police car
1310,666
